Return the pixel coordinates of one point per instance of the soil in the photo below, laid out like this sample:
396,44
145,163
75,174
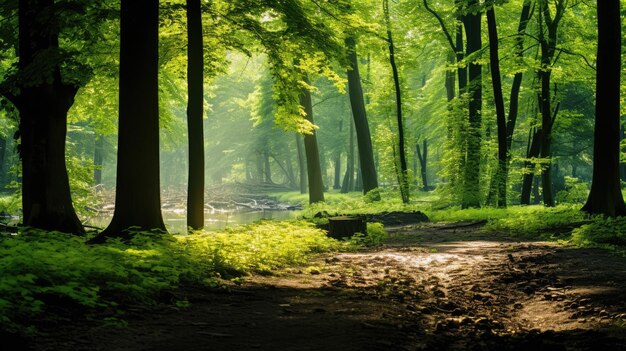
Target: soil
430,287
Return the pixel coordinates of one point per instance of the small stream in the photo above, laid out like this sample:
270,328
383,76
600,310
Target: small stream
176,221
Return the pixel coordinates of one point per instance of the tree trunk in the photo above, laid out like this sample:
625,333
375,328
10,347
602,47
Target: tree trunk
43,103
267,170
500,177
301,166
364,140
471,181
337,178
403,176
423,158
97,159
605,196
314,170
348,179
137,195
548,49
533,148
195,112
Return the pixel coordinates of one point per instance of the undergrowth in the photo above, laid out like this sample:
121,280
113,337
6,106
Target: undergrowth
44,270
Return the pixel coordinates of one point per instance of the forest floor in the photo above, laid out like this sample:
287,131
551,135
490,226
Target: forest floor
430,287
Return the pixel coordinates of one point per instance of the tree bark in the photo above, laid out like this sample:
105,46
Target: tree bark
364,140
605,196
137,195
471,181
500,177
314,170
533,149
422,155
301,166
97,159
43,103
403,176
195,114
348,179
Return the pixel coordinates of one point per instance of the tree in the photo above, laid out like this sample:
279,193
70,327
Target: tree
403,181
137,193
195,112
314,171
494,60
547,42
473,42
605,196
43,98
364,140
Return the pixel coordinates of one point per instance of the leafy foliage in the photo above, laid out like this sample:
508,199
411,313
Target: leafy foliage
41,270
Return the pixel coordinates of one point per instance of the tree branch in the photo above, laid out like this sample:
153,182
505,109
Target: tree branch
443,25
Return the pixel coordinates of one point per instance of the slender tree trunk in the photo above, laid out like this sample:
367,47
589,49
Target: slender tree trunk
43,103
548,115
314,170
137,195
605,196
267,170
364,140
348,179
403,176
517,79
423,159
494,59
301,166
471,181
337,178
97,159
195,112
533,149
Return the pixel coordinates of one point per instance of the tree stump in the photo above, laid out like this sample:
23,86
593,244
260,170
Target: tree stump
345,226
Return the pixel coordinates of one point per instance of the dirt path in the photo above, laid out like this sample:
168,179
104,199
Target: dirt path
435,287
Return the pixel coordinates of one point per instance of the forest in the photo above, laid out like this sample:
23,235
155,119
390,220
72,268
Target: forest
312,174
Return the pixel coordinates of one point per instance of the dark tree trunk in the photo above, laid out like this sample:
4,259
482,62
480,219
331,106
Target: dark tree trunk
548,115
301,166
348,179
364,140
195,112
97,159
449,82
43,103
137,195
403,176
471,188
337,177
533,149
517,79
358,182
314,170
500,177
422,155
605,196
